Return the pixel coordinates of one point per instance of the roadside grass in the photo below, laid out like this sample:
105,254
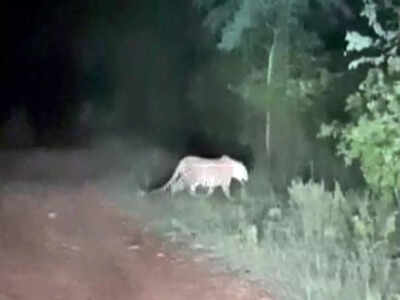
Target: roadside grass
302,245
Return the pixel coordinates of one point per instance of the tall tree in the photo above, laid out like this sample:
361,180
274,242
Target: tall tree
266,34
372,136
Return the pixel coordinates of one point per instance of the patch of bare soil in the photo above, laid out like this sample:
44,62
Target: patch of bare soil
72,243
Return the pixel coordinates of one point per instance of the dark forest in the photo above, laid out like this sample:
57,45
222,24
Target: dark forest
305,94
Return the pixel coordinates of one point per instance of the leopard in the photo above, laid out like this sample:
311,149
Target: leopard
194,171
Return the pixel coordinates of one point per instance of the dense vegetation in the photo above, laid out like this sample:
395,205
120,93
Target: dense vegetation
321,236
305,92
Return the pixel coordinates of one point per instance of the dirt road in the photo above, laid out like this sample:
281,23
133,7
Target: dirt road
73,243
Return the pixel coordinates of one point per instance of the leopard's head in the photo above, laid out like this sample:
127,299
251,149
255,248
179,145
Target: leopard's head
240,172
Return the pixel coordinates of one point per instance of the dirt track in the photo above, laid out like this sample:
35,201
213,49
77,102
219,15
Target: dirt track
72,243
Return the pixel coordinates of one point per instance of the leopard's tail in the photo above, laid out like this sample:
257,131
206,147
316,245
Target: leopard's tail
171,181
173,178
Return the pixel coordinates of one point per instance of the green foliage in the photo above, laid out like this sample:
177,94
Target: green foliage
384,40
232,18
374,138
353,221
321,212
243,19
372,224
314,262
373,135
251,28
283,73
348,241
310,244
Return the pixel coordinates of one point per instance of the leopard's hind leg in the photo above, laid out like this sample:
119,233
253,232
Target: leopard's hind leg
226,191
193,189
209,192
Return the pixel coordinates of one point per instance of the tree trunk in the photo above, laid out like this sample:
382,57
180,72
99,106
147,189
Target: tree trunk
277,127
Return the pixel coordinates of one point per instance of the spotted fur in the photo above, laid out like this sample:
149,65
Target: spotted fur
193,172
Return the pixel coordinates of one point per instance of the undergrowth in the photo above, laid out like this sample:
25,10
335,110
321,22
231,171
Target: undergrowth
310,244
